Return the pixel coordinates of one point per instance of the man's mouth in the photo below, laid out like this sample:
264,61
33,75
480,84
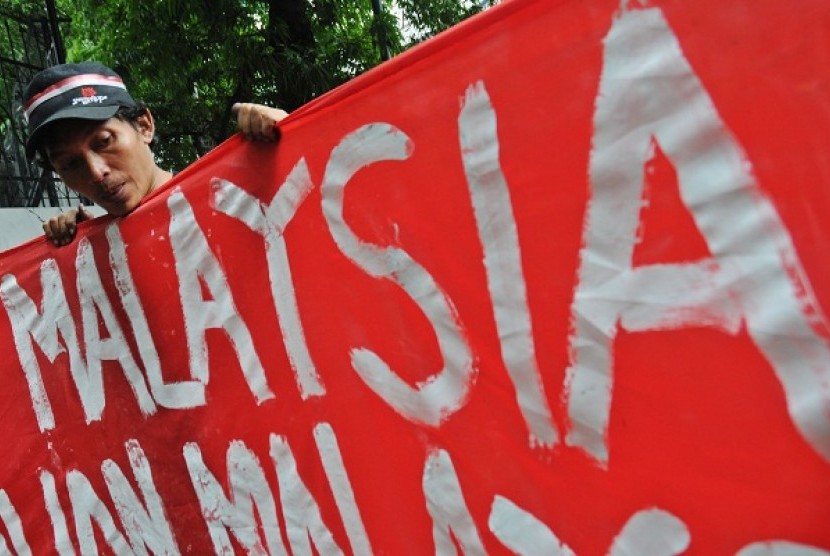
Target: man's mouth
112,193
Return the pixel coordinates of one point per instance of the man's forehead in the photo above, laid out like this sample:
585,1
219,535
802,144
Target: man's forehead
64,134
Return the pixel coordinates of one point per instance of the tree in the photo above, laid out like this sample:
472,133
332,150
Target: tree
191,60
21,52
25,47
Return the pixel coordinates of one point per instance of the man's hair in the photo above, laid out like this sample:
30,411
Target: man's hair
128,114
132,114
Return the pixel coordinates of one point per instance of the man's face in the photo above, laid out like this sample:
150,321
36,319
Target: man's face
108,162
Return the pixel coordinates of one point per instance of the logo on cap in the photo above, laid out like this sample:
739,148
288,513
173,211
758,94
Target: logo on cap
84,81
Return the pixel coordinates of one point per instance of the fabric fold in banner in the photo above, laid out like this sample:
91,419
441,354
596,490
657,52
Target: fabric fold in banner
552,281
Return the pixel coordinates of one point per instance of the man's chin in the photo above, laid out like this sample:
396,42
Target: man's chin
120,202
117,208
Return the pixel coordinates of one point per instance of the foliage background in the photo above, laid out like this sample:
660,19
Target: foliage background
190,60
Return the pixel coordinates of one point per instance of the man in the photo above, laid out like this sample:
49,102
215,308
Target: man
85,125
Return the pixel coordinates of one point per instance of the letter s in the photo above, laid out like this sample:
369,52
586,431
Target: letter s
434,400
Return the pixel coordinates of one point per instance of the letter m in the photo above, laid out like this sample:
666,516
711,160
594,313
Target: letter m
42,327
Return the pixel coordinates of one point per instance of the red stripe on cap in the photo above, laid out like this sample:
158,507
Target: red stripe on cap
70,83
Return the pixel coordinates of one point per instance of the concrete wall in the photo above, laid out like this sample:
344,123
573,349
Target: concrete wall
19,225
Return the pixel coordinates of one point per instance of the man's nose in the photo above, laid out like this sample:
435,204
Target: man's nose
98,168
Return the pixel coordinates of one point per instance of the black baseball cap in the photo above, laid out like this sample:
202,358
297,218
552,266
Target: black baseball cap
86,91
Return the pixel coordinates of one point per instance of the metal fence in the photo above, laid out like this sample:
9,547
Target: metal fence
28,43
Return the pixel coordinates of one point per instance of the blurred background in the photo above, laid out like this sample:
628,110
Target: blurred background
190,60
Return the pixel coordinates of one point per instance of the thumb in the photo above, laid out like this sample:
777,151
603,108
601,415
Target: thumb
83,214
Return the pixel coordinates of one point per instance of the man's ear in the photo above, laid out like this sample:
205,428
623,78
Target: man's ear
146,126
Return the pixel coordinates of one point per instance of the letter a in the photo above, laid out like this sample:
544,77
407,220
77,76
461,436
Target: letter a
195,261
754,276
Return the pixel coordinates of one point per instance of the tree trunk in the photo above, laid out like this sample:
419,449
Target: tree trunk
289,24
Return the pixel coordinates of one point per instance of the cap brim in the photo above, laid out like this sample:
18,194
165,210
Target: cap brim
99,113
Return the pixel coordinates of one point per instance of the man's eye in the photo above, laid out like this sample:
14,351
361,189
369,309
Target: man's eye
104,141
67,166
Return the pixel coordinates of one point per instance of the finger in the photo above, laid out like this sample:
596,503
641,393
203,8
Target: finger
47,229
266,127
61,229
70,218
269,119
52,229
83,214
64,229
277,115
243,119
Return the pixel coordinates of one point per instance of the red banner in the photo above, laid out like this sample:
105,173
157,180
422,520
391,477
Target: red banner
555,282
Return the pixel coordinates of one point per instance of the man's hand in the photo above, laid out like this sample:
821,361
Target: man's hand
258,122
61,229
